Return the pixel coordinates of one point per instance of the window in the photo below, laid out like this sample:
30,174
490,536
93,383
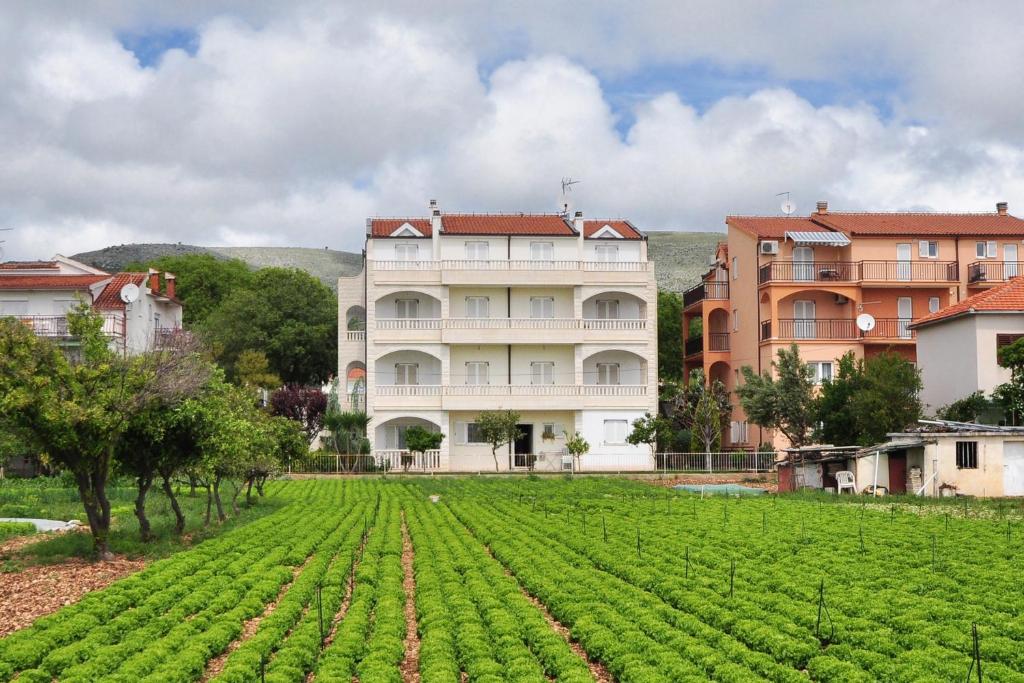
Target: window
14,307
477,251
395,436
737,432
967,455
985,249
477,307
607,373
933,304
542,372
926,249
615,431
542,251
734,269
405,373
735,320
476,372
407,252
1006,339
473,434
156,321
607,309
550,430
542,307
62,306
406,308
821,371
606,253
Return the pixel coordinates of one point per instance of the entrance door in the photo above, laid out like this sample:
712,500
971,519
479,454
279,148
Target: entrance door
905,313
524,447
1013,468
898,472
804,326
803,264
903,261
1010,261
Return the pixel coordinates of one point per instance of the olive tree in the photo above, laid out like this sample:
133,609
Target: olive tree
498,428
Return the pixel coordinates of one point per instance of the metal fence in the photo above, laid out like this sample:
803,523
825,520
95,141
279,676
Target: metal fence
726,461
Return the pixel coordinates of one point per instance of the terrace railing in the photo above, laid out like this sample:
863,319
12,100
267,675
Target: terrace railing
910,271
727,461
858,271
993,271
797,329
513,264
808,271
718,341
57,325
713,290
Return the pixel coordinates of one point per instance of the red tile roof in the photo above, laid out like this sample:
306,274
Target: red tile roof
110,297
383,227
925,224
29,265
511,224
50,281
624,228
1005,298
772,227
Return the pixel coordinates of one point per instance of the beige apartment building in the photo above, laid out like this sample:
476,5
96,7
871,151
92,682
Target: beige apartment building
550,316
834,282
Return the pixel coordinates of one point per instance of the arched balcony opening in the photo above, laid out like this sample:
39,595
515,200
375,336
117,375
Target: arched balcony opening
614,368
718,330
614,310
408,310
391,451
354,397
408,369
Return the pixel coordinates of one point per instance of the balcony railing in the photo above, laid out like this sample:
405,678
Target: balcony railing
714,290
718,341
403,460
993,271
837,329
355,335
858,271
57,325
694,345
168,337
511,324
512,264
511,389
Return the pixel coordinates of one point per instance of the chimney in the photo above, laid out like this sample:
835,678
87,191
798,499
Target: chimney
169,279
577,224
435,229
154,281
822,207
1002,208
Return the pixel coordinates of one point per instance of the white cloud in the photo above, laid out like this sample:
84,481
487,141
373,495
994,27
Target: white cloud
292,123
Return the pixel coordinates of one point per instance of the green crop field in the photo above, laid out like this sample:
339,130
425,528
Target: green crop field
556,579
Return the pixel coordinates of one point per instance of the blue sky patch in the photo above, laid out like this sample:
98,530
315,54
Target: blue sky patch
149,45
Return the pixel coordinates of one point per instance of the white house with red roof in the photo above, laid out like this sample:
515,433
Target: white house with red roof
957,347
40,293
548,315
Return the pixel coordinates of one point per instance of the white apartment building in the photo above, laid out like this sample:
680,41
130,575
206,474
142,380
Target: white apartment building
454,314
40,293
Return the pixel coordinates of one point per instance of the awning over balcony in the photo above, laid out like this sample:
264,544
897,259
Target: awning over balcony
827,239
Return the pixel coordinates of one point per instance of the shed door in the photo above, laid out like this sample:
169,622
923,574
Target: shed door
898,472
1013,468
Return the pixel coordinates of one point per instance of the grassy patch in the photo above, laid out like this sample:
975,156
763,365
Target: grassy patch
12,529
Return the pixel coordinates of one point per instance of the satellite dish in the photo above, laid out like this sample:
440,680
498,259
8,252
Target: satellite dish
788,207
865,322
130,293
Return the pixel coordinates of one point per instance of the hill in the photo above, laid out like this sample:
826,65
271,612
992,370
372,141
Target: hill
680,257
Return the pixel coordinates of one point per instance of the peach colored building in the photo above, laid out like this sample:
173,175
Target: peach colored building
780,280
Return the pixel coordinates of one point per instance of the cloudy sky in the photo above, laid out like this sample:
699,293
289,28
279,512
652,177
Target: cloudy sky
249,122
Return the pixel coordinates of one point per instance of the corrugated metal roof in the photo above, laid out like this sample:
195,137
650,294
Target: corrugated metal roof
830,239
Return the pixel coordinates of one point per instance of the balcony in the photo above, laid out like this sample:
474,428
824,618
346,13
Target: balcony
56,326
712,290
515,271
503,330
982,272
693,346
837,329
355,335
858,271
718,341
522,396
170,337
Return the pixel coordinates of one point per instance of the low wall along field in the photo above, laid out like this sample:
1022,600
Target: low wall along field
560,579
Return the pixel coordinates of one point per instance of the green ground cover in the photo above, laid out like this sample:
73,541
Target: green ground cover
653,584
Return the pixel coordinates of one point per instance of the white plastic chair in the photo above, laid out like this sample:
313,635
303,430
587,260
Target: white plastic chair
845,480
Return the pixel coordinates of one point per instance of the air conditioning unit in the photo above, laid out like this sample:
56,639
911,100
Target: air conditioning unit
840,299
770,247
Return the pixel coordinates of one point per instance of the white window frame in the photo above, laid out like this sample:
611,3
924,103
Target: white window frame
407,308
542,307
542,372
933,304
478,307
478,250
925,249
607,309
615,432
606,253
542,251
609,373
817,368
156,320
735,320
735,270
407,251
406,374
478,372
989,249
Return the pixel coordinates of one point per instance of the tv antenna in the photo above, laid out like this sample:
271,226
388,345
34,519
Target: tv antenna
788,207
567,183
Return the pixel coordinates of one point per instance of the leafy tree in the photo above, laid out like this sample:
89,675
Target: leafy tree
498,428
577,447
888,397
348,434
646,431
785,403
834,413
253,370
670,335
286,313
1010,395
420,440
203,281
970,408
303,404
704,412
